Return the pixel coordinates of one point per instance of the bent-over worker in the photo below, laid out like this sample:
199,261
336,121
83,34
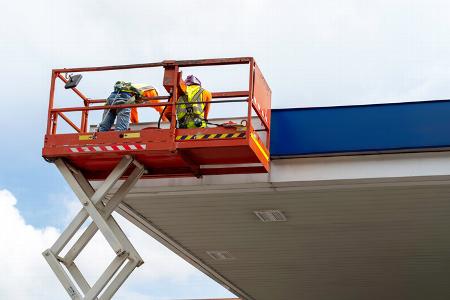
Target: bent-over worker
123,94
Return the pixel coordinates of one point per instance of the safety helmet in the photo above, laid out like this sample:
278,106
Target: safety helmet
119,86
192,80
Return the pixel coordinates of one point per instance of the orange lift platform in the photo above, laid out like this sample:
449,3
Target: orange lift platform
121,158
166,152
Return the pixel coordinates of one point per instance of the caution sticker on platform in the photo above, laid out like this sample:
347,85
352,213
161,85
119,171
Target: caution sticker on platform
210,136
132,135
86,137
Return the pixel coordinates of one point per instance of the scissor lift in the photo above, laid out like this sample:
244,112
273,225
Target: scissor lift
150,152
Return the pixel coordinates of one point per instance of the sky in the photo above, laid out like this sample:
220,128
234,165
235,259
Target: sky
312,53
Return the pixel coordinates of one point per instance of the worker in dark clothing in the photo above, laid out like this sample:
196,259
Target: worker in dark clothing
122,94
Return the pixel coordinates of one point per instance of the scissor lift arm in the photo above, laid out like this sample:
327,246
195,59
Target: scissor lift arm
98,205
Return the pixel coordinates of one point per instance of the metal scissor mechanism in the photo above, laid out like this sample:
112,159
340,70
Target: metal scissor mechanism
99,208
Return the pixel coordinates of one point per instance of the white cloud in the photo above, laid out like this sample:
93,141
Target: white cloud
27,275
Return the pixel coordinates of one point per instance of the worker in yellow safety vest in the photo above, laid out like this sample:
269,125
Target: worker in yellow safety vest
193,107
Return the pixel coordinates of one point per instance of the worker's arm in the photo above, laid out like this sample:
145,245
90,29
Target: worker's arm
134,117
207,96
147,94
168,110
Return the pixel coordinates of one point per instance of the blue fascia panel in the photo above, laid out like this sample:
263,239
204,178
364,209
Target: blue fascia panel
364,128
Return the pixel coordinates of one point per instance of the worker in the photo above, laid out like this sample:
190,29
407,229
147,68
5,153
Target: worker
123,93
193,106
126,93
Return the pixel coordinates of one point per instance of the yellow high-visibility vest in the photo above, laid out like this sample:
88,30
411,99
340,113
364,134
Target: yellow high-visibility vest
190,107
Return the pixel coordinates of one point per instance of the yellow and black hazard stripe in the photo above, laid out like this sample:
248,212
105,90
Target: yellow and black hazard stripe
210,136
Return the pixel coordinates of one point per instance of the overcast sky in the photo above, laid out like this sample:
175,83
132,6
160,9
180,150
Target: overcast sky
312,53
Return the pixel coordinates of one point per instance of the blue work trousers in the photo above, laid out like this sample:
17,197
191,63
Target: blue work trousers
109,115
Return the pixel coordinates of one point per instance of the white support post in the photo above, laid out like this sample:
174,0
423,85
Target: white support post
99,209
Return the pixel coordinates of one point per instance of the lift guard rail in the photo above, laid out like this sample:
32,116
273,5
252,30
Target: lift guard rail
257,84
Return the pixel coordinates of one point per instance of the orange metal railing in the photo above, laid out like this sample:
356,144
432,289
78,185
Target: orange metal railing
257,96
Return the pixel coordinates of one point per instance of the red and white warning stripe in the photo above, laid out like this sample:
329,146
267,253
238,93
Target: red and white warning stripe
123,147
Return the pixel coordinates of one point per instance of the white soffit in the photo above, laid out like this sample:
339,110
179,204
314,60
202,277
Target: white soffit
313,172
156,203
